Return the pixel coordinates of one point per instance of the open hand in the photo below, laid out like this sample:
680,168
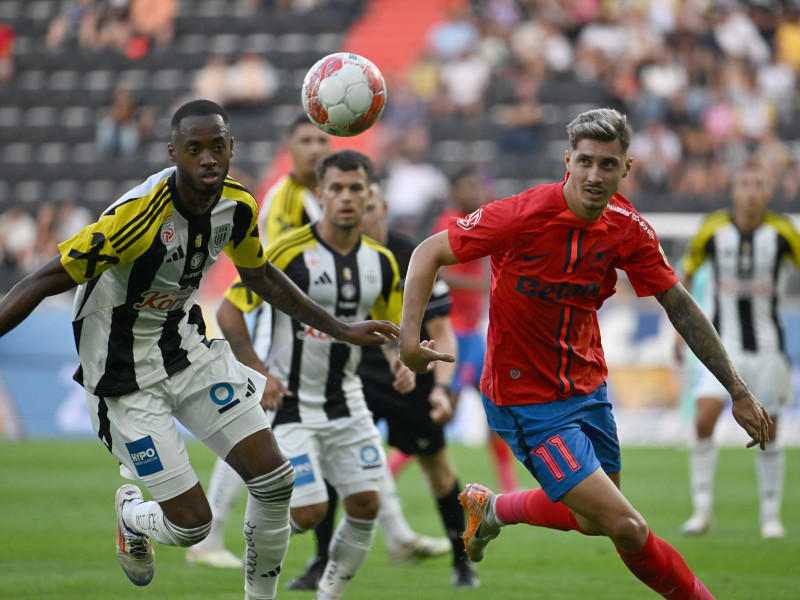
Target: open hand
422,358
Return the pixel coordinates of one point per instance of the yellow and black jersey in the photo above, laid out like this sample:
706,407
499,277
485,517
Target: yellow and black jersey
288,205
135,317
318,370
748,277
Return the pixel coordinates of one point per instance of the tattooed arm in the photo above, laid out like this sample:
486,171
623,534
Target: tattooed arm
692,324
281,292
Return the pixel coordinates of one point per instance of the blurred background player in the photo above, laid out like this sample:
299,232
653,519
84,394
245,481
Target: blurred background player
469,288
748,247
289,203
415,420
316,400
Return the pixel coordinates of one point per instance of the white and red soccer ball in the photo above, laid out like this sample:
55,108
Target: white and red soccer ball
344,94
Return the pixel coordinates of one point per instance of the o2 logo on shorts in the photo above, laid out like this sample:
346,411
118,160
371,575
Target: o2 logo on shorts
222,395
145,456
303,470
370,457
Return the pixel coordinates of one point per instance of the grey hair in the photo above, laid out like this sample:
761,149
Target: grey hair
601,124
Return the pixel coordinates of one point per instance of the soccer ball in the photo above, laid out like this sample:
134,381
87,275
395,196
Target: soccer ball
344,94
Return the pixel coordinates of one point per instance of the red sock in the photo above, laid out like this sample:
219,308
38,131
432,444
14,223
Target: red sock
660,567
504,461
397,460
534,508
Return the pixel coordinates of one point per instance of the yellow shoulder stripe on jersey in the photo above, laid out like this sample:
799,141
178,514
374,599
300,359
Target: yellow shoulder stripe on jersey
242,297
783,225
136,217
697,248
283,250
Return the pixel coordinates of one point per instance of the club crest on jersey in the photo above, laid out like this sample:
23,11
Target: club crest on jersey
348,291
197,260
168,232
471,220
221,235
371,276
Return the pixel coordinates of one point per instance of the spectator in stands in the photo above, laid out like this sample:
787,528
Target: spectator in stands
125,125
66,25
415,188
17,237
212,79
154,20
251,82
7,38
520,118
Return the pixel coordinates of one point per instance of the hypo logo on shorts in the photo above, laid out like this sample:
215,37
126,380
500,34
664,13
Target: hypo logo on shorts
303,470
145,457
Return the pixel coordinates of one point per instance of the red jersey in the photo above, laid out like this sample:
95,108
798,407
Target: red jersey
467,306
551,271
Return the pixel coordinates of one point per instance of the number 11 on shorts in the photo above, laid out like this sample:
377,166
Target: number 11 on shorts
543,452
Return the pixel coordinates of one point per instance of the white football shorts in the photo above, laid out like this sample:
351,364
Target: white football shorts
347,452
216,398
767,374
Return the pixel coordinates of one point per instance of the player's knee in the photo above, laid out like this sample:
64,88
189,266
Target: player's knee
629,532
304,518
705,428
364,505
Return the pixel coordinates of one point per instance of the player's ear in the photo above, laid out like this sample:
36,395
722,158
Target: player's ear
171,151
628,163
232,146
566,158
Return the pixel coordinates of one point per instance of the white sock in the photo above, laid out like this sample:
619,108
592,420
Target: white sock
348,550
224,489
396,531
266,530
147,517
771,469
702,468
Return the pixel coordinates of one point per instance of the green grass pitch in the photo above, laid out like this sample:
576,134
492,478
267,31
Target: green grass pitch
57,536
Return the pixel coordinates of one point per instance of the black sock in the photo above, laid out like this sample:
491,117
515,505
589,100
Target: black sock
452,514
324,529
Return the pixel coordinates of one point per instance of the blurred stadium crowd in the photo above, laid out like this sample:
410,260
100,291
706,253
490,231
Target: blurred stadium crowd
87,88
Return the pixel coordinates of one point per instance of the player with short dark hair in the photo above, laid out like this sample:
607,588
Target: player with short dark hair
319,415
145,359
554,250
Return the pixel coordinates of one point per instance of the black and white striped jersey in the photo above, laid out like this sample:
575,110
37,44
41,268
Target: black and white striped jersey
135,316
318,370
748,277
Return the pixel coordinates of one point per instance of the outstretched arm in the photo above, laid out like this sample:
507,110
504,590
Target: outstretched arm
276,288
689,320
431,254
48,280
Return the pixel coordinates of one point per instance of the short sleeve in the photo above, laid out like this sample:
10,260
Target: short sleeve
645,262
244,248
489,230
93,250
